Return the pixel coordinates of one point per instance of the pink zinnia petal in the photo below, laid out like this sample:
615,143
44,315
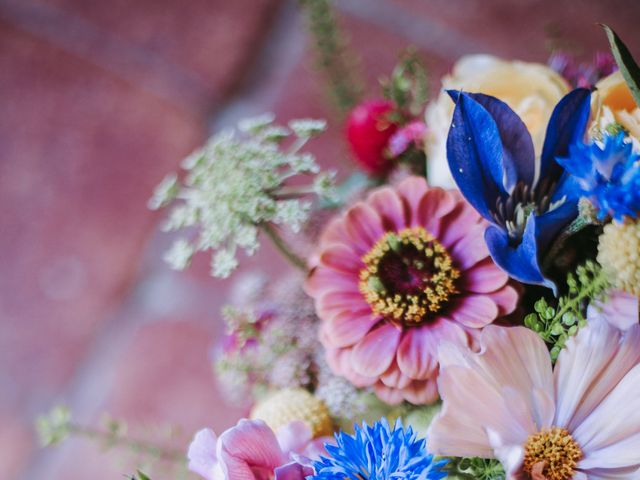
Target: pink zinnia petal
435,204
375,352
390,207
390,396
475,311
470,249
412,190
341,258
348,328
506,299
413,357
421,392
364,227
394,377
483,277
456,224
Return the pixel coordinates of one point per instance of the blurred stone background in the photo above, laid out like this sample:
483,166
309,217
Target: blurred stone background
98,101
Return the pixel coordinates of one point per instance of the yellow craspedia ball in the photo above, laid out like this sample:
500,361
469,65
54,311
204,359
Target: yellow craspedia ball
619,255
290,404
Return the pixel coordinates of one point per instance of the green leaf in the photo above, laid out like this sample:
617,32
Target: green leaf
628,66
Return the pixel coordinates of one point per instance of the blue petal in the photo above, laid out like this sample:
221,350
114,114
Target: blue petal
474,152
518,156
521,262
567,125
549,224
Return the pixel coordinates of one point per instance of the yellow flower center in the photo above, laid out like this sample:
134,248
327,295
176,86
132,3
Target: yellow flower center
408,276
552,452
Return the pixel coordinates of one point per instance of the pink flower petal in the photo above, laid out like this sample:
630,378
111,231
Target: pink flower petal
336,302
470,249
415,359
293,471
609,436
421,392
390,207
472,387
412,189
394,378
294,437
335,232
506,299
364,227
456,224
374,353
474,311
202,455
435,204
390,396
348,328
620,310
323,280
590,366
339,360
342,258
483,277
249,446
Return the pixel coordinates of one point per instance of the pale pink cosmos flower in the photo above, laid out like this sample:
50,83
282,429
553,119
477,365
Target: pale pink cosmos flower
620,309
579,420
396,275
252,451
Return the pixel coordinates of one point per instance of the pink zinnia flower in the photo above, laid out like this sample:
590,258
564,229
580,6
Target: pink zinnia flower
578,421
252,451
396,275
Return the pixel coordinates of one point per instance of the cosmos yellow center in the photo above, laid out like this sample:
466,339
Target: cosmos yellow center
408,276
553,452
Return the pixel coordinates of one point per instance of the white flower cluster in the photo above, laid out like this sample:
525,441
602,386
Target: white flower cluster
235,184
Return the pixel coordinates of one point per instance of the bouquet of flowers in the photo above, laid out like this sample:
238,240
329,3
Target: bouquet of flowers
467,310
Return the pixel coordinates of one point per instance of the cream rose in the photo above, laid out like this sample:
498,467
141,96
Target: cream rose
532,90
612,102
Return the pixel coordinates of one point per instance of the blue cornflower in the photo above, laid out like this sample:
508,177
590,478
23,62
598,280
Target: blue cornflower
379,453
608,175
528,201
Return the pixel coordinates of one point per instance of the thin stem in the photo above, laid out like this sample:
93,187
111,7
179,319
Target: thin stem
142,446
283,247
574,227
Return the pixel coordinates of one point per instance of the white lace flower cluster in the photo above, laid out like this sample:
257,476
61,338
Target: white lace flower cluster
235,184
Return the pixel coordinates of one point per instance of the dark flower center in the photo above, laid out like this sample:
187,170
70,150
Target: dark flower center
408,276
513,211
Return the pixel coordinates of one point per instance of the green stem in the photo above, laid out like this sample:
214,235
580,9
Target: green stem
283,247
332,53
142,446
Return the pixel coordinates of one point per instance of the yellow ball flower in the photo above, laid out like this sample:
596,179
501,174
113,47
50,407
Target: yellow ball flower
619,255
288,405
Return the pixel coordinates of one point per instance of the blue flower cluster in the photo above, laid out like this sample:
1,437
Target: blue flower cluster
379,453
608,174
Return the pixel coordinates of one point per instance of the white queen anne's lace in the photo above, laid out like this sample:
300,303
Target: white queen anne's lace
236,183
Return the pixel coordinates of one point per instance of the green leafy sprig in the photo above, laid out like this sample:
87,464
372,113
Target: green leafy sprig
475,469
556,324
628,66
408,86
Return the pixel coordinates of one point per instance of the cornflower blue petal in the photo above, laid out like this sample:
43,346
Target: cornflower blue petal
567,124
607,174
474,153
518,156
378,452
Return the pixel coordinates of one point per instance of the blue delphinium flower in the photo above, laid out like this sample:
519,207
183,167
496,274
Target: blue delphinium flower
527,201
378,453
608,174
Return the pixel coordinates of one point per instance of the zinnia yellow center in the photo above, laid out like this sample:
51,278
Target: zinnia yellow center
552,452
408,276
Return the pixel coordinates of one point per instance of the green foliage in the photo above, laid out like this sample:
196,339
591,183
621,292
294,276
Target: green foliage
332,51
475,469
408,86
54,427
628,66
556,324
140,476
